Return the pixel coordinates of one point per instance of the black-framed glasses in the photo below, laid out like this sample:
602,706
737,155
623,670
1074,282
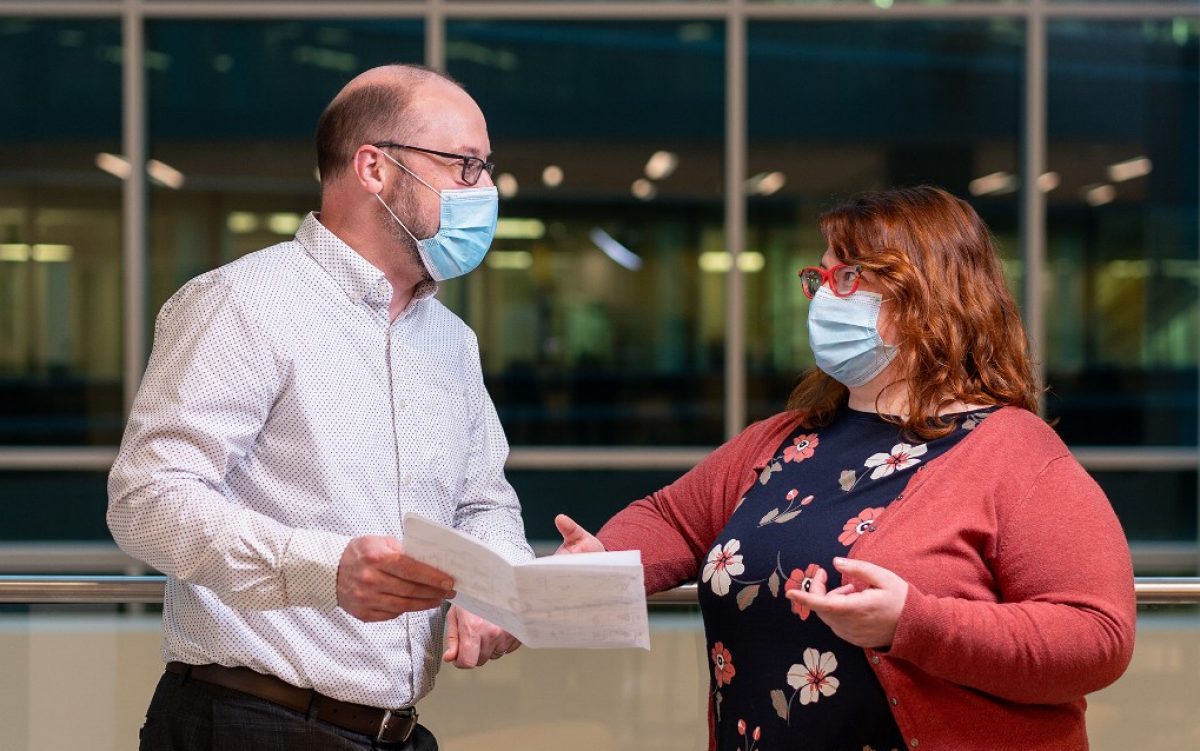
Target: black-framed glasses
472,166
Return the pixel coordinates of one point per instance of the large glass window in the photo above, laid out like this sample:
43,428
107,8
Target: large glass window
60,232
838,108
599,320
233,106
1123,277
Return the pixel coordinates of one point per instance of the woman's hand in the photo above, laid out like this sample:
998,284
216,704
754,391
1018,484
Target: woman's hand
865,609
576,539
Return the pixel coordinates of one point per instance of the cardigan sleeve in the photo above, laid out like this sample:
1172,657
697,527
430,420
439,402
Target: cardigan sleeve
675,526
1064,625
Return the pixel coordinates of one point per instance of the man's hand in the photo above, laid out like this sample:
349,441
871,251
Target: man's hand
471,641
865,609
376,581
576,539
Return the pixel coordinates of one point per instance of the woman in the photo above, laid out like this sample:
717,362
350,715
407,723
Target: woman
908,557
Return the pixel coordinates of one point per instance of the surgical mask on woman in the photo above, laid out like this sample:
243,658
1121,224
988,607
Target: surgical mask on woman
844,335
465,231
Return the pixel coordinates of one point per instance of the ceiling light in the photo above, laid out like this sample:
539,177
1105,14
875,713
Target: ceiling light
1129,169
164,174
117,166
520,229
241,222
284,223
1048,181
765,183
1098,195
552,176
643,189
994,184
661,164
507,185
509,260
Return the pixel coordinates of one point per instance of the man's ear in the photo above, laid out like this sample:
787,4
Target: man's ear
369,168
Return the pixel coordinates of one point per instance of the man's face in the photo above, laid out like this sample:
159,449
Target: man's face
451,122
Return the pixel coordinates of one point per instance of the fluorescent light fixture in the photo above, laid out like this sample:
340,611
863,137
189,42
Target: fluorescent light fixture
884,4
765,183
509,260
15,252
241,222
661,164
721,261
507,185
1130,169
117,166
40,253
643,189
520,229
619,253
164,174
552,176
994,184
284,223
1048,181
1098,195
52,253
317,174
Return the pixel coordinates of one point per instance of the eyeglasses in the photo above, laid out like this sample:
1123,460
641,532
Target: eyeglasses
472,166
842,279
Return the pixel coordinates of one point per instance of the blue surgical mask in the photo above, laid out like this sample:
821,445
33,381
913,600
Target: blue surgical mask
844,335
465,231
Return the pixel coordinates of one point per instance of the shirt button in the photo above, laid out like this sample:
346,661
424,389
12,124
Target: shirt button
407,479
402,404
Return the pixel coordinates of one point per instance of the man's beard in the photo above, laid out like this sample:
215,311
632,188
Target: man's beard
404,206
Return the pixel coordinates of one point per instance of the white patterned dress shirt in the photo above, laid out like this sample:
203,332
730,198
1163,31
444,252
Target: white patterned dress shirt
280,415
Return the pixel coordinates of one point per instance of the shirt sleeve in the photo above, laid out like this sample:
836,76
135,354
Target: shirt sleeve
488,508
1064,626
206,394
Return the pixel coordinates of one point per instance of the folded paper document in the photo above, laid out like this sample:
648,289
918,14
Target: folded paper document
581,601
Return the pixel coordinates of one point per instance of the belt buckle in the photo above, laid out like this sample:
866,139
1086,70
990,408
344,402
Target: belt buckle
388,714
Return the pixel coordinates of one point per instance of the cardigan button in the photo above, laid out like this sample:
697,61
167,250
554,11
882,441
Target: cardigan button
875,659
894,701
914,743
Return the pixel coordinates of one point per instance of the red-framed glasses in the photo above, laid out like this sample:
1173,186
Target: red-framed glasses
842,279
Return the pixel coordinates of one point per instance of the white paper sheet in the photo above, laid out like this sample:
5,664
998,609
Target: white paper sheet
581,601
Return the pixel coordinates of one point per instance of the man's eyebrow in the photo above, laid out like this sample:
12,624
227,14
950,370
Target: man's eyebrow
472,151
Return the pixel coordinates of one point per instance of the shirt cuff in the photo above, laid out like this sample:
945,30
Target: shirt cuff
310,567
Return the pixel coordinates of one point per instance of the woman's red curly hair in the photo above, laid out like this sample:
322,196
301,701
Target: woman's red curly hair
959,332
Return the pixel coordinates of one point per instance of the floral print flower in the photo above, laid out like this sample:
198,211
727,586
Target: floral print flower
903,456
813,678
802,448
856,526
847,479
813,577
722,565
722,662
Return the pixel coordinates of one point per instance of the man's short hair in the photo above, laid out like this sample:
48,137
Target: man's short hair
367,114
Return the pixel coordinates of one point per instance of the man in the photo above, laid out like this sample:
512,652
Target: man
297,402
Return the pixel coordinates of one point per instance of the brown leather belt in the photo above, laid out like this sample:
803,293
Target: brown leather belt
384,725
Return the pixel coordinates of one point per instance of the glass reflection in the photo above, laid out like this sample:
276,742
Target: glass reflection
1123,281
60,232
598,318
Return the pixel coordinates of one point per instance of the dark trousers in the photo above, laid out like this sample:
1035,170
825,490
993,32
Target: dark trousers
190,715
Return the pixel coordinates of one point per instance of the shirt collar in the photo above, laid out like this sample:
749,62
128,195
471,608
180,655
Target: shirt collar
357,277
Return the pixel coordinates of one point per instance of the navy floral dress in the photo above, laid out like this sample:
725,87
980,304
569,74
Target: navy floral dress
781,679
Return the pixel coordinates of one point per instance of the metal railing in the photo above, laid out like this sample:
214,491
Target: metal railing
40,590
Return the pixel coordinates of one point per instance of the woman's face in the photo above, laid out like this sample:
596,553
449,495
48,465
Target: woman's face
867,283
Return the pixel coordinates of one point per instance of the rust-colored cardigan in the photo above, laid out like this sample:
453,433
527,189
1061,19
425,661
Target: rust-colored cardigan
1020,595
